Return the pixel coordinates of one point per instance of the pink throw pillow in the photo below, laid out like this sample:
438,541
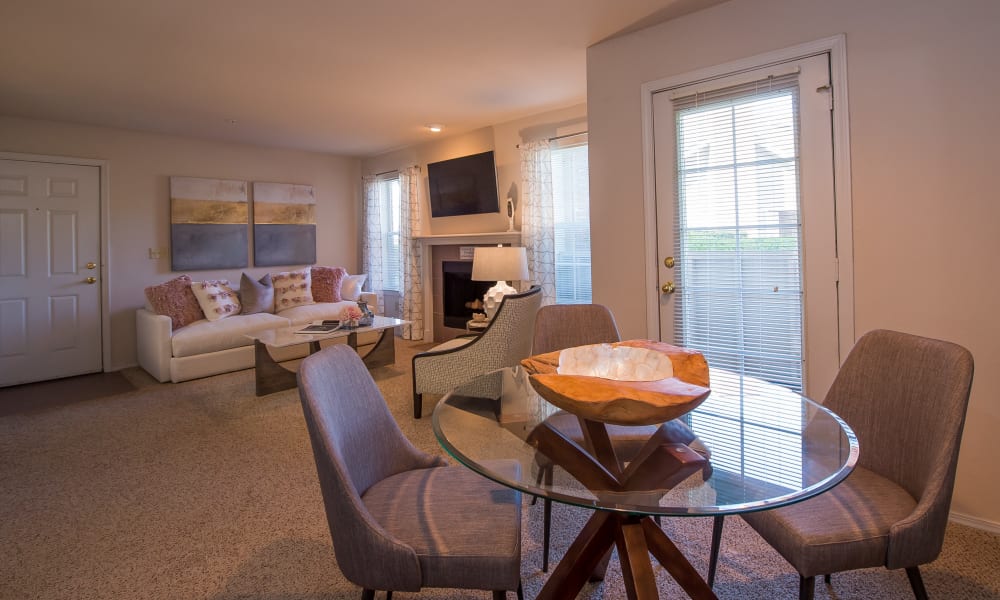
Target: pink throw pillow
175,299
326,283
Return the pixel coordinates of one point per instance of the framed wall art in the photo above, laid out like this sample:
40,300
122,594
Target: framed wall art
284,224
208,224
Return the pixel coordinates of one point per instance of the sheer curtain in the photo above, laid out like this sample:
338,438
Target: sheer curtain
372,239
411,297
538,216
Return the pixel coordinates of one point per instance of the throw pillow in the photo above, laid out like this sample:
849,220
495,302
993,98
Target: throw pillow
257,296
292,288
175,299
350,289
326,283
216,298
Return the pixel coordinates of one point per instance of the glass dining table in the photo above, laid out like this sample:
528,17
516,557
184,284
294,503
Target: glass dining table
751,445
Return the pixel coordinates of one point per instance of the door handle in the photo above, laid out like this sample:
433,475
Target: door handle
668,288
91,265
91,280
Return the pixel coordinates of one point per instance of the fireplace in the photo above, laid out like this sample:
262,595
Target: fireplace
461,295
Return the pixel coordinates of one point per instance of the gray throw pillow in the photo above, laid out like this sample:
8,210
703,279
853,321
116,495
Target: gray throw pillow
257,296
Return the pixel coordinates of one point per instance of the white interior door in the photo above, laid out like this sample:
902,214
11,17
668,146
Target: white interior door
746,211
50,293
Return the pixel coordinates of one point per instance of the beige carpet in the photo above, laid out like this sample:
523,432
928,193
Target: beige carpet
200,490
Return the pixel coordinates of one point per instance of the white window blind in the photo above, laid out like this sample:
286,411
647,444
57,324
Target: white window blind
738,236
571,203
391,212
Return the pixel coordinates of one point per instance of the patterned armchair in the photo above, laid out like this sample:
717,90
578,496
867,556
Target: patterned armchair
504,343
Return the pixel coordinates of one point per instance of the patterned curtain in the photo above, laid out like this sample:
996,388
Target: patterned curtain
538,217
372,239
411,297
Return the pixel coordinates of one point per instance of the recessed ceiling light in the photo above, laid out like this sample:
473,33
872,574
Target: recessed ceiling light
435,128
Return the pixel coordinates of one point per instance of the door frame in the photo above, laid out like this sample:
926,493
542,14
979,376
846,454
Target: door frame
836,47
104,218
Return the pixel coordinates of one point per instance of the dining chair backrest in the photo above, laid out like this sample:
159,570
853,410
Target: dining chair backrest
357,443
906,397
560,326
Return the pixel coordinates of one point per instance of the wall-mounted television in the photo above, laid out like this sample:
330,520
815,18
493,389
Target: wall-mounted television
463,186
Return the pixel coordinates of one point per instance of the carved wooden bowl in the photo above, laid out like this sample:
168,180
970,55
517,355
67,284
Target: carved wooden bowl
595,391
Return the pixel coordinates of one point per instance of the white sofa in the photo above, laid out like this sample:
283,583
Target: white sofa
206,348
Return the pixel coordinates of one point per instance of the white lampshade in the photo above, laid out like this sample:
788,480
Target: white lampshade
500,264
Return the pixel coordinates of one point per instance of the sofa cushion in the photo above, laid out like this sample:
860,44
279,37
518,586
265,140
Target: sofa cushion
257,296
175,299
350,288
317,312
211,336
292,288
216,298
326,283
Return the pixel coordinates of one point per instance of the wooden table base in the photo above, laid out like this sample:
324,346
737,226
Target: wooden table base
270,376
663,462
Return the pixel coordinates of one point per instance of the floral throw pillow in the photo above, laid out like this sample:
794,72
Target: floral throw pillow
326,283
216,298
292,288
175,299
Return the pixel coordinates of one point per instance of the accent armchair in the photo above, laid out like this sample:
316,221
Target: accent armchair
503,343
401,519
905,397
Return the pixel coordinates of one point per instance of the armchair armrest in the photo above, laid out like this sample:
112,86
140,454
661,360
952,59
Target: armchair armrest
153,333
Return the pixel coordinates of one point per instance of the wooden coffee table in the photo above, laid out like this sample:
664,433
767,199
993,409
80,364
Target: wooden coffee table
271,376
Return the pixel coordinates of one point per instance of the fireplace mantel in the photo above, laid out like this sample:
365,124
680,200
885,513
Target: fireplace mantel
452,239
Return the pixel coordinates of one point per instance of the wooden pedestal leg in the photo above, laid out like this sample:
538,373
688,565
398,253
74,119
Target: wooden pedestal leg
675,563
382,354
637,569
583,555
269,375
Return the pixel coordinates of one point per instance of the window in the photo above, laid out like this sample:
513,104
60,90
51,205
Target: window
571,200
388,193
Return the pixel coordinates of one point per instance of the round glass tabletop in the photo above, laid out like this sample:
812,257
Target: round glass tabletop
756,445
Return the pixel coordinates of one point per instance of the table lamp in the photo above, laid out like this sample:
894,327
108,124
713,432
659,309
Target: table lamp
500,264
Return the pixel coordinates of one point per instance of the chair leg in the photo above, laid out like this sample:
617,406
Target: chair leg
520,591
546,529
713,558
388,595
826,579
499,595
917,583
807,586
367,594
418,402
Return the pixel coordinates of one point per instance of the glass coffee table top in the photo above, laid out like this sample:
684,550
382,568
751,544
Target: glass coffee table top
288,336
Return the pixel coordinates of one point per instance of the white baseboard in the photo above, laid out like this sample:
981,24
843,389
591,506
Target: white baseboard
974,522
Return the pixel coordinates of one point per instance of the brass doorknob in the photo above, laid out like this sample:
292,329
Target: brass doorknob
91,280
668,262
91,265
668,287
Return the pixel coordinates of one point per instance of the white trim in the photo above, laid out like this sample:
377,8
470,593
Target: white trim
842,169
105,242
974,522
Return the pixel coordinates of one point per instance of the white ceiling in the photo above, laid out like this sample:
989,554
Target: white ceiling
355,77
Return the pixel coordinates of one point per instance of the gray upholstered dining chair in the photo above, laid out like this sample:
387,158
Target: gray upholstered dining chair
905,397
401,519
503,343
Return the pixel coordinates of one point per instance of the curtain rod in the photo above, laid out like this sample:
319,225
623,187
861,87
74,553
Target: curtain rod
393,171
559,137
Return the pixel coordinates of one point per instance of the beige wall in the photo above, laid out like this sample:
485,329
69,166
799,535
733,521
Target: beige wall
503,140
140,165
922,90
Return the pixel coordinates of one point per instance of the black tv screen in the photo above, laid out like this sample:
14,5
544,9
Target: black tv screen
463,186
